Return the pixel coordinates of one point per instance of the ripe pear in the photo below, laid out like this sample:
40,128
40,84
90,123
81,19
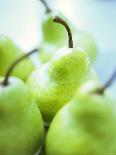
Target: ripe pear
86,41
86,125
54,36
8,53
54,84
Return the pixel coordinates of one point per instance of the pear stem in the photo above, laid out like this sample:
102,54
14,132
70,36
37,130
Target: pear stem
13,65
108,83
48,10
61,21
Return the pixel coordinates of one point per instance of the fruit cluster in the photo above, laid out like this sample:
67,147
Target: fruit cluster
60,108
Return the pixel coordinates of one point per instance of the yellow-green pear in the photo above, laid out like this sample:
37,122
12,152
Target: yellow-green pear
8,53
21,124
54,36
85,126
55,83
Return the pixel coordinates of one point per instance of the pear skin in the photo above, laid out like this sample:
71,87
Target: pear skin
85,126
21,124
55,83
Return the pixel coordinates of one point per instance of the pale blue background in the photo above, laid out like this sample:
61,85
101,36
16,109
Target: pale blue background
21,20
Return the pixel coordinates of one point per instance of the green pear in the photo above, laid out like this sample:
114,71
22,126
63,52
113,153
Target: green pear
86,41
8,53
86,125
53,33
21,124
55,82
54,36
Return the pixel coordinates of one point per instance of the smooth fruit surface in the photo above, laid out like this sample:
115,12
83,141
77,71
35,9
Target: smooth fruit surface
21,124
85,126
52,32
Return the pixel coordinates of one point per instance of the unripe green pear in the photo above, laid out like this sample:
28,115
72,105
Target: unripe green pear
54,84
8,53
86,125
21,124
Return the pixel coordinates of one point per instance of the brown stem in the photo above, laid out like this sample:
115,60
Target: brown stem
13,65
108,83
61,21
48,10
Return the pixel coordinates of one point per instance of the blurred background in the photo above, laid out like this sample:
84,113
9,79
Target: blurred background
21,21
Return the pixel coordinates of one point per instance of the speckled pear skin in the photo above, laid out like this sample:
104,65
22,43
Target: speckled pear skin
54,84
85,126
86,41
54,36
21,124
8,53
